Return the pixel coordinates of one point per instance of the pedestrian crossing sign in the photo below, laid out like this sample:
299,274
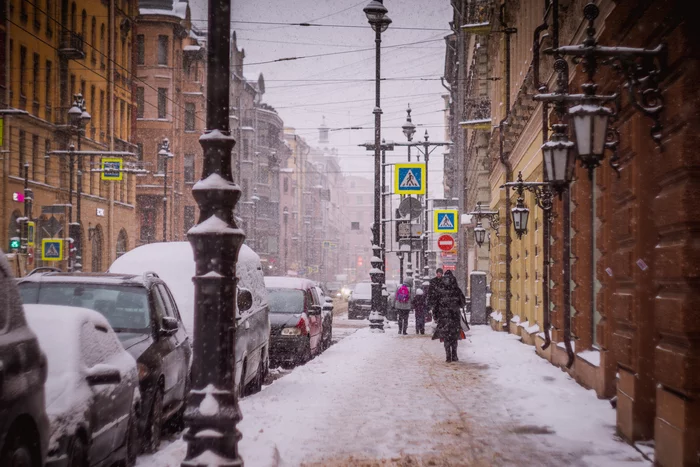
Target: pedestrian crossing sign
445,220
51,249
112,168
409,179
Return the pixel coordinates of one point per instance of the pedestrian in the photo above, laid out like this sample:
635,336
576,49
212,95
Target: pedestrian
403,306
434,287
418,303
449,327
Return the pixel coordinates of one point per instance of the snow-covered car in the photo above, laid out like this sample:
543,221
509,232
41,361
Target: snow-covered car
24,426
360,301
146,319
295,318
174,263
92,390
327,317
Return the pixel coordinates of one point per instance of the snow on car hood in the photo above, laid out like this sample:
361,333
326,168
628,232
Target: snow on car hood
174,263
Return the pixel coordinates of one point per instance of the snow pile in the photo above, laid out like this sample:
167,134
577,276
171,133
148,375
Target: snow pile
174,263
515,319
591,356
497,316
532,329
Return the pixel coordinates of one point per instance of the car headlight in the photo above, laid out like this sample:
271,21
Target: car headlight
144,371
291,332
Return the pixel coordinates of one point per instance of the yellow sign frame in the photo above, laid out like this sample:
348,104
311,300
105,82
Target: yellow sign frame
31,233
455,223
397,179
110,178
43,249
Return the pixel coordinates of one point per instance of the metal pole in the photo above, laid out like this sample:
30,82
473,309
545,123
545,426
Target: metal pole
401,268
212,405
377,275
566,264
71,162
78,238
165,198
426,156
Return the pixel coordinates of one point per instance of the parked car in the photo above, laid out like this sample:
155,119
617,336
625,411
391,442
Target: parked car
327,317
391,288
24,426
142,312
174,263
360,301
92,391
296,319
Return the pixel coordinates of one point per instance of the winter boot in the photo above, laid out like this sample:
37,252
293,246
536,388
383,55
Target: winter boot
454,354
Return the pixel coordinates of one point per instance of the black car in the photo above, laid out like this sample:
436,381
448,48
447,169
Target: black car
143,313
24,426
360,302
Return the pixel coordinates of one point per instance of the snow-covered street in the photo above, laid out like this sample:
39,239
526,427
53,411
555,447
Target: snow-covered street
385,399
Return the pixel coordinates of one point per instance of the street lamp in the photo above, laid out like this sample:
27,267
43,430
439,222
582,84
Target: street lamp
166,155
377,17
285,214
255,198
591,128
559,157
520,215
78,118
479,234
409,128
478,214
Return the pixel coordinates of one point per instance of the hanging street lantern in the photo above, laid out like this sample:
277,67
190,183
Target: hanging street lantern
559,157
591,128
520,215
409,128
479,234
478,214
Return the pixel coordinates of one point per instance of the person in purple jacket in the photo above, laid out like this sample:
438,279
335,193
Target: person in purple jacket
403,306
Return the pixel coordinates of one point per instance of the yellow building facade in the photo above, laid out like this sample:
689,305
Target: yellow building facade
54,50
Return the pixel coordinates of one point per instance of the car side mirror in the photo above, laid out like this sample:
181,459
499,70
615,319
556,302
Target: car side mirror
169,325
103,374
315,310
245,300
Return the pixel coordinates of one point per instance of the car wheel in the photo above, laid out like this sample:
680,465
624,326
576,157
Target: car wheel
155,422
18,452
178,421
77,452
256,384
307,355
133,446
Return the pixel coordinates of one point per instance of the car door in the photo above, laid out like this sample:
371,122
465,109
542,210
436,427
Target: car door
315,320
180,341
166,345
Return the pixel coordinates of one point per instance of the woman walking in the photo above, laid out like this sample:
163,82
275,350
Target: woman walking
403,306
418,303
451,301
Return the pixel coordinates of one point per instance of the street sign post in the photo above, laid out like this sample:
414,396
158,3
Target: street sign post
52,249
446,242
112,168
409,179
445,220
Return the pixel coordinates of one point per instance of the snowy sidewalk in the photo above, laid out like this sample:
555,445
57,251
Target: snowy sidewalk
385,399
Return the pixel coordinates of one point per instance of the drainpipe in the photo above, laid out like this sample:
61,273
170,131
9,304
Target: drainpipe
546,262
508,170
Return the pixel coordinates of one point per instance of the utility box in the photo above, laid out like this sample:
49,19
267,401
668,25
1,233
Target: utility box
478,297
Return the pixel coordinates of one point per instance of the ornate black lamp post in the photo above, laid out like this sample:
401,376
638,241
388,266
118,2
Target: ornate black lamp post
78,118
212,406
376,15
479,214
166,155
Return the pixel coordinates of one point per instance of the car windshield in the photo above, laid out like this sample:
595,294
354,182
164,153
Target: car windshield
363,288
125,307
285,300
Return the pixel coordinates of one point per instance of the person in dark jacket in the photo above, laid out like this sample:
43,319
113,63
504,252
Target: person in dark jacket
451,302
434,291
419,309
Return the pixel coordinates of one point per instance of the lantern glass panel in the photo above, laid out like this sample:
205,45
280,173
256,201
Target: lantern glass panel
548,163
583,128
560,156
520,215
600,130
480,235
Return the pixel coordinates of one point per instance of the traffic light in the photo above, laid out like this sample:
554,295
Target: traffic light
359,261
14,243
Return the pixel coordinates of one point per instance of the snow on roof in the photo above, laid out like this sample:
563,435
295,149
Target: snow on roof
177,12
192,48
174,263
288,282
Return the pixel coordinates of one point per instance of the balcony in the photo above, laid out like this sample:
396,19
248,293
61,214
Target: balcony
478,17
477,114
71,46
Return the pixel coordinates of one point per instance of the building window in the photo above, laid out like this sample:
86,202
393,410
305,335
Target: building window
359,200
140,101
35,156
139,151
102,113
286,184
189,168
188,218
22,152
162,102
140,49
49,29
163,50
189,116
22,69
47,160
48,89
102,45
354,226
246,150
35,76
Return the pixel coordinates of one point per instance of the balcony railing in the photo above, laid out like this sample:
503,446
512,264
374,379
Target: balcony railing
72,45
478,19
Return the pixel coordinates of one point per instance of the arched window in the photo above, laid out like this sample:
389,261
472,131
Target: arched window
93,39
97,244
122,243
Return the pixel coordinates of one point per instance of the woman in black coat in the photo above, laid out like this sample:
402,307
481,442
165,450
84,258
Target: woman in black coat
451,302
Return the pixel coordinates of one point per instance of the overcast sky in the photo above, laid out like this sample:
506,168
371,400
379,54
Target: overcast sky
340,86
